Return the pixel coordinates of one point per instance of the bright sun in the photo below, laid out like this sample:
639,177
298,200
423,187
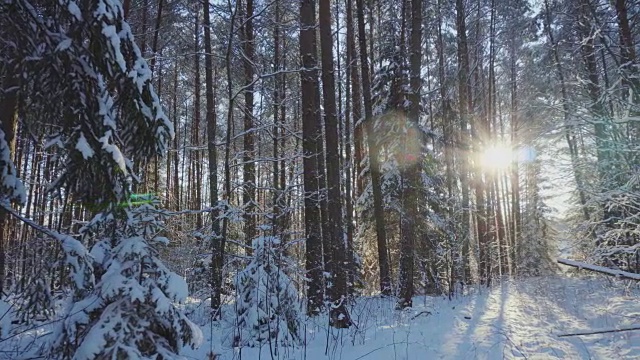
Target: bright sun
497,157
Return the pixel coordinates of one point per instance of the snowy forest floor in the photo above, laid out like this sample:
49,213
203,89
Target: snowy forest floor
519,319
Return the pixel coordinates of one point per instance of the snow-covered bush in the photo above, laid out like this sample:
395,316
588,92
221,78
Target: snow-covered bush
267,303
131,313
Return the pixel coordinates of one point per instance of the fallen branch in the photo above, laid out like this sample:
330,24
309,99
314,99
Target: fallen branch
599,332
421,313
600,269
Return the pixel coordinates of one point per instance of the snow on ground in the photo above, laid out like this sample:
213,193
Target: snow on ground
513,320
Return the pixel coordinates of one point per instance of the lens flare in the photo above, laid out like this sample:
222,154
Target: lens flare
398,139
497,157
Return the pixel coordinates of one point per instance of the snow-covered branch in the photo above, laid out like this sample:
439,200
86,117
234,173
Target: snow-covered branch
600,269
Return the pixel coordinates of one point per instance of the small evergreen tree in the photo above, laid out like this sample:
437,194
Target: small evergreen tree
267,304
131,312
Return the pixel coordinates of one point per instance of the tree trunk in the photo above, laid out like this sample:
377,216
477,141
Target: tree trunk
196,172
219,258
249,170
627,50
277,102
411,173
353,98
339,317
463,109
8,123
284,197
516,222
310,139
494,176
156,33
217,242
447,124
152,65
126,6
374,163
176,126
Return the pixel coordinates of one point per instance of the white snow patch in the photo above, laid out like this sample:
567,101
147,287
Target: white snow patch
74,10
54,141
64,45
513,320
117,155
6,316
112,35
83,146
177,287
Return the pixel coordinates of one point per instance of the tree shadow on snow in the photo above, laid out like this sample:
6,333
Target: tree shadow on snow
458,343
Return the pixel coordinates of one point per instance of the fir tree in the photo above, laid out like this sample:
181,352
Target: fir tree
267,304
131,312
75,66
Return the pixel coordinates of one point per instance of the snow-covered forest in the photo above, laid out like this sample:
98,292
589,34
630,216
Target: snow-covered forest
319,179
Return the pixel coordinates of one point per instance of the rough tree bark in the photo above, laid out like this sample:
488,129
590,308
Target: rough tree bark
217,242
339,316
310,139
